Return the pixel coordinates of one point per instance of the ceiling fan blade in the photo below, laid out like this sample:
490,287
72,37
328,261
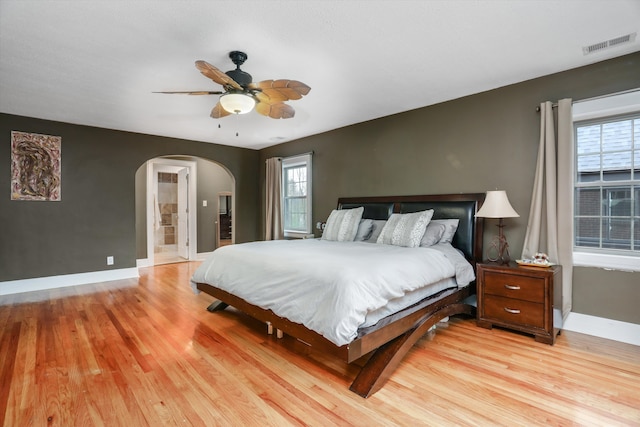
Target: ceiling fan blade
194,92
270,96
218,112
291,93
216,75
293,89
299,87
278,110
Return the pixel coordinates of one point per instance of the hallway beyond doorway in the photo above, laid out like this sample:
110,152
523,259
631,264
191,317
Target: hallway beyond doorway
167,254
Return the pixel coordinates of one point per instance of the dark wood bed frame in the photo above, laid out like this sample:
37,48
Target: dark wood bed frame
384,345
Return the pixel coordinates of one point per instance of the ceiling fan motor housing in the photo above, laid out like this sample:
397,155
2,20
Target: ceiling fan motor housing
242,78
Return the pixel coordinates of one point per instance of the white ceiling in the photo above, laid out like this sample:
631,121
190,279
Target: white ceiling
97,63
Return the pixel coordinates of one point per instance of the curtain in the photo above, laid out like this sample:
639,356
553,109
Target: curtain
274,228
550,226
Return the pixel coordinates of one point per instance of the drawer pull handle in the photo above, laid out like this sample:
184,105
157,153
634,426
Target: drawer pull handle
512,310
512,287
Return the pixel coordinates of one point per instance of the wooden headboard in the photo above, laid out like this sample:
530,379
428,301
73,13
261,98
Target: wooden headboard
468,237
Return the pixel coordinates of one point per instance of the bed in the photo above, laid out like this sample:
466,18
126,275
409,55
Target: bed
398,312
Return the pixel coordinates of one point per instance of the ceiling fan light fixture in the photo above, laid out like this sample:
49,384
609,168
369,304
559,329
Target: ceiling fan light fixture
237,103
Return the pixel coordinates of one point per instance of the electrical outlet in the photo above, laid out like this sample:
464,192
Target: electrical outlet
110,260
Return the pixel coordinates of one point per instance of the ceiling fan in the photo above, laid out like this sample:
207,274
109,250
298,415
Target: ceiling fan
240,95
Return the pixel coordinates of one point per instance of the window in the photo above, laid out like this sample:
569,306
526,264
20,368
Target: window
296,195
607,189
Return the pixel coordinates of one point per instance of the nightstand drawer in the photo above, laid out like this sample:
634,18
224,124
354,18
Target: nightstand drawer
514,311
514,286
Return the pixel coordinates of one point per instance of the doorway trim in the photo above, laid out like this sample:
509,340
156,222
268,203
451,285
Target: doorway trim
233,214
154,166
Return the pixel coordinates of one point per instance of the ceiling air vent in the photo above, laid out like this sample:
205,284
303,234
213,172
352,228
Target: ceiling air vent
627,38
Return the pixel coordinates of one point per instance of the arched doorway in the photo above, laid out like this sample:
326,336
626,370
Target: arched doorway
162,234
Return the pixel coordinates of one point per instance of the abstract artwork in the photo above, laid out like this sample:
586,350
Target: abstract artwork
35,166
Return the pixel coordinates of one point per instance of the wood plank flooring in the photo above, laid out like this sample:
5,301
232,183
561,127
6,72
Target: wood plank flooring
146,353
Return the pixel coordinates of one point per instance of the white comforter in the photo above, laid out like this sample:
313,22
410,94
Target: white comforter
328,286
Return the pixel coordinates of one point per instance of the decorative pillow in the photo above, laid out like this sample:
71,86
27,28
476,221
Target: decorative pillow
378,225
364,230
405,229
342,224
433,234
452,226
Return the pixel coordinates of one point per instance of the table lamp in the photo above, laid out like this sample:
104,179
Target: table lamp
496,205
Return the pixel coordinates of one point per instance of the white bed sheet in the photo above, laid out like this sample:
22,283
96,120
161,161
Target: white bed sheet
329,287
408,299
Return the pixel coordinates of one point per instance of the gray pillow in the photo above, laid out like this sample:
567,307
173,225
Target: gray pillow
342,224
452,226
433,234
405,229
364,230
378,225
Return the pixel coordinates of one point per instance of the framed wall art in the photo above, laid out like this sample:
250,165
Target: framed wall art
35,166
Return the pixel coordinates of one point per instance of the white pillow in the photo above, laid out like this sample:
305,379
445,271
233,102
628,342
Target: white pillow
452,226
405,229
433,234
364,230
342,224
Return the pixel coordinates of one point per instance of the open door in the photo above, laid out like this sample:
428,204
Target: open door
171,220
183,213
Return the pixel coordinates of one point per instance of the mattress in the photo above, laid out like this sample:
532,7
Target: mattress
332,288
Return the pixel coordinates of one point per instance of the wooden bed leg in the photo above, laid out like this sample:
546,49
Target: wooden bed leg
279,333
386,358
217,306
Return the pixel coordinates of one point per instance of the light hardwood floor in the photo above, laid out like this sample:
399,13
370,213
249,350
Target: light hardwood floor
146,353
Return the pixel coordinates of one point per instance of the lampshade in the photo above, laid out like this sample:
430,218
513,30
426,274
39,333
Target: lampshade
237,103
496,205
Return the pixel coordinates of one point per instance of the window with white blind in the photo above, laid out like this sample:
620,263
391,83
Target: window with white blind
607,188
296,195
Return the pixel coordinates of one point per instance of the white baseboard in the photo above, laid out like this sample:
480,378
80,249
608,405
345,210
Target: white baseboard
604,328
51,282
203,256
146,262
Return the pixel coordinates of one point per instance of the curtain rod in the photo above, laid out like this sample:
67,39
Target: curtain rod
303,154
295,155
555,104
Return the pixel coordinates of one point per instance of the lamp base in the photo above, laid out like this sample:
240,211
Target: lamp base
499,247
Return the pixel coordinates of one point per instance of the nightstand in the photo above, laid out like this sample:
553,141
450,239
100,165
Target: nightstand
526,299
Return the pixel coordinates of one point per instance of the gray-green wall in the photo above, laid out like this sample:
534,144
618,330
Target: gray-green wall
97,214
472,144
